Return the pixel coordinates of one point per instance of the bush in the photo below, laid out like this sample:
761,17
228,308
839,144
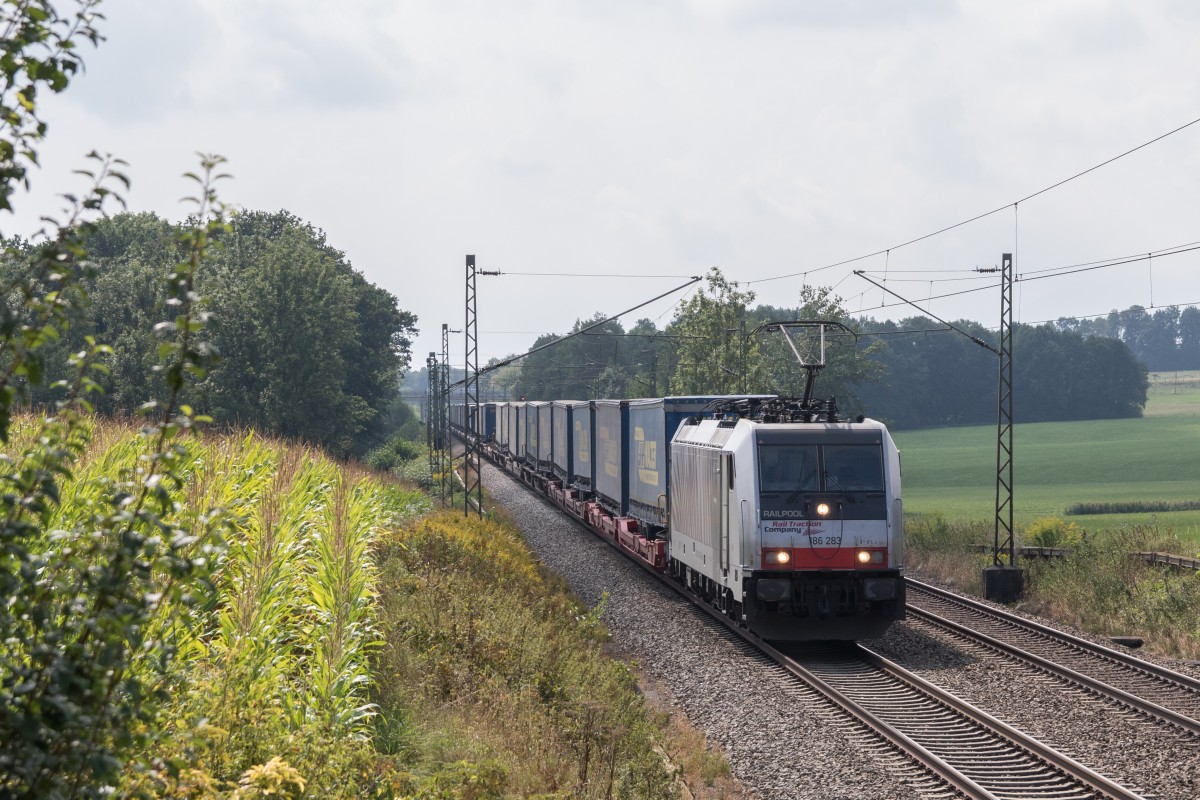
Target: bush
1052,532
946,551
507,672
1103,587
1132,507
392,455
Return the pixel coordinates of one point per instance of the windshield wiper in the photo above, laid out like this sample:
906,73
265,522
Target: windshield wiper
791,498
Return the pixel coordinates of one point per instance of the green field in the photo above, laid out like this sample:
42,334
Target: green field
951,471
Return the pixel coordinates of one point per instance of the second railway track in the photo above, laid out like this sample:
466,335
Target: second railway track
1166,695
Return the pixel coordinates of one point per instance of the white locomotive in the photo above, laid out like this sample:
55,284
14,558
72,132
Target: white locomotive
794,528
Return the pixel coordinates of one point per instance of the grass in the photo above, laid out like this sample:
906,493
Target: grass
1098,587
1174,394
951,471
502,676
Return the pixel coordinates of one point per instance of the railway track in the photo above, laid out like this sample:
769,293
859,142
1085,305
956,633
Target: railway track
968,752
975,753
1158,692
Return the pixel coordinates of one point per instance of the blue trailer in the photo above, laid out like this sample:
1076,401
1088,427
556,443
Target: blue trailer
489,422
532,429
612,455
561,452
545,451
583,447
652,425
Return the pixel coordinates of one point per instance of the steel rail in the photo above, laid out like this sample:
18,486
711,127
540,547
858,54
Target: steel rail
1090,779
1186,688
1065,673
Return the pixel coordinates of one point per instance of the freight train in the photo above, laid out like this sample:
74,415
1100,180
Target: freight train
776,511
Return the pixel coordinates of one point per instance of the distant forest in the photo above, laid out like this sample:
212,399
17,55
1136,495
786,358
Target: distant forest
911,373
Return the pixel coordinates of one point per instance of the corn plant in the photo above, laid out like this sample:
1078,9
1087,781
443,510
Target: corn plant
340,629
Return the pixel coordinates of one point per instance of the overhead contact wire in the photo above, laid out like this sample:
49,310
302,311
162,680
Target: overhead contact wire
985,214
507,361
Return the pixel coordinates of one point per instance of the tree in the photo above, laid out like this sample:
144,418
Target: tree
1109,381
1135,327
1040,363
932,376
313,350
1189,338
713,355
85,650
1162,339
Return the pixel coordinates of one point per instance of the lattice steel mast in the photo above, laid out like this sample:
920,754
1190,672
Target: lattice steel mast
1004,582
446,461
1003,538
432,400
473,486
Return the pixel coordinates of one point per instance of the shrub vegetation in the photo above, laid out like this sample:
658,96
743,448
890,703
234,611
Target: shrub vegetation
1099,586
502,676
1132,507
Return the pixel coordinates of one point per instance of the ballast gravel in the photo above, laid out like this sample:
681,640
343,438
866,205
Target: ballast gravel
778,745
1151,758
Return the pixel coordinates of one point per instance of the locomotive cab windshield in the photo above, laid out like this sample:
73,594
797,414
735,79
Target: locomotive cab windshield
846,476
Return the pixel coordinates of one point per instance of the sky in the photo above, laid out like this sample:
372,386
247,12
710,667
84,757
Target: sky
649,140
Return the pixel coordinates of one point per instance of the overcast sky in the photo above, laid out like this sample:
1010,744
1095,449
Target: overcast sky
662,137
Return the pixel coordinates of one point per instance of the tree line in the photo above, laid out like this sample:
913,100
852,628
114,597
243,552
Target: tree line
912,373
308,348
1164,338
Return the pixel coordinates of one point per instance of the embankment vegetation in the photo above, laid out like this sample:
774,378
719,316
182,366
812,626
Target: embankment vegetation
335,636
1100,586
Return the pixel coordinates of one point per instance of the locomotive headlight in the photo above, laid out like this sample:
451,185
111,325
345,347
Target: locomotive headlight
870,556
783,557
822,509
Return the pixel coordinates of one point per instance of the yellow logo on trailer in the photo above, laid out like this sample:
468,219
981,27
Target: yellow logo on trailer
582,449
647,458
610,451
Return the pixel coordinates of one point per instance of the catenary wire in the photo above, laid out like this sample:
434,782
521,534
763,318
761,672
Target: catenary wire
977,217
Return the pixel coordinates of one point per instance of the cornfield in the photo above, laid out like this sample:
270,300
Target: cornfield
281,656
